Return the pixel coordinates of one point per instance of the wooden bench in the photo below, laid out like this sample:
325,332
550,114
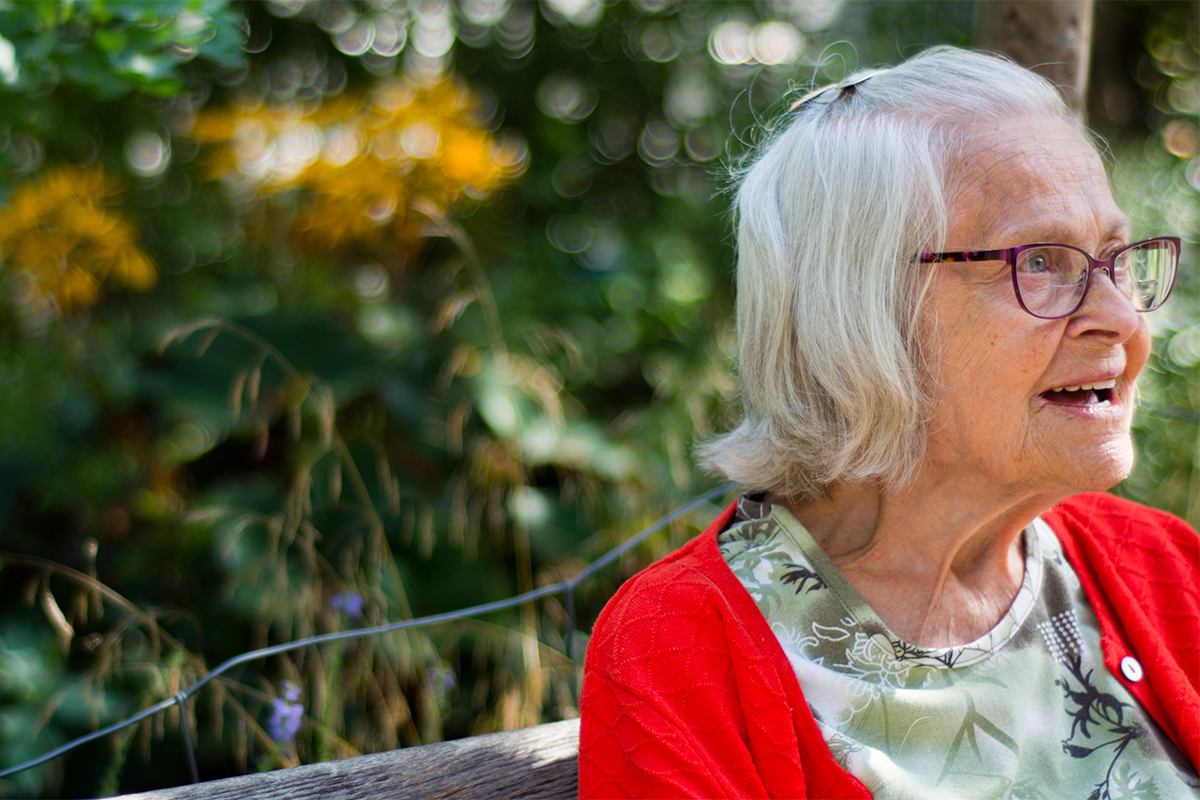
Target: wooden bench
538,762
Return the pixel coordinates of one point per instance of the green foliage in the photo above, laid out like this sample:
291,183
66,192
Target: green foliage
113,48
471,398
56,53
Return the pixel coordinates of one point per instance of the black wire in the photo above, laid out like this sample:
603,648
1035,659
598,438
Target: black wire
182,696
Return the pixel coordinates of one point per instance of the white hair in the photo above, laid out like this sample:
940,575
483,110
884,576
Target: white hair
830,214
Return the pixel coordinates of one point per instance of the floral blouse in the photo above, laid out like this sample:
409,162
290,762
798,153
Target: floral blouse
1028,710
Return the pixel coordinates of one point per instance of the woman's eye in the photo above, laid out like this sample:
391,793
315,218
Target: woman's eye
1037,262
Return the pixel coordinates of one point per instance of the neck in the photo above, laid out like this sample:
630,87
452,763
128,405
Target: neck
939,561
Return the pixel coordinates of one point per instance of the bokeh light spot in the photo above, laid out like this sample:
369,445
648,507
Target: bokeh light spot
569,233
357,39
1183,95
258,38
515,33
382,210
433,31
582,13
683,283
814,15
295,149
613,138
147,154
572,176
343,144
530,506
25,153
391,35
285,9
335,17
1193,173
420,140
776,43
565,99
9,71
371,280
483,12
605,249
653,6
658,143
729,42
660,42
1181,139
512,153
689,99
1184,347
700,145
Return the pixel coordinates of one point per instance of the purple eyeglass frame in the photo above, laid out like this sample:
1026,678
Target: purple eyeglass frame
1009,256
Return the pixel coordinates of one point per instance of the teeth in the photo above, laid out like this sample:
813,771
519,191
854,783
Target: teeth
1108,384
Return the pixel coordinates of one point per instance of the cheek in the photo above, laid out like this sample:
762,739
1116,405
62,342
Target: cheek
990,376
1001,356
986,356
993,380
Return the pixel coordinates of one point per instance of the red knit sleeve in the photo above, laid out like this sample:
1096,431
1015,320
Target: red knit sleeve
660,716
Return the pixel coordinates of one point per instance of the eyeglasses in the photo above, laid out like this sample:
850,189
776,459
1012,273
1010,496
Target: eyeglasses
1051,280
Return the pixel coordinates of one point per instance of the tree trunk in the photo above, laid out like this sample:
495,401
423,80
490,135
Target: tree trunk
1051,37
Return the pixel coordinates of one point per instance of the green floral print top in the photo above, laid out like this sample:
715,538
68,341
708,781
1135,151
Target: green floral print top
1026,711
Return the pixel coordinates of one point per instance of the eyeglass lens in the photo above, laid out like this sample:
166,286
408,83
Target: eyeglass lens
1052,280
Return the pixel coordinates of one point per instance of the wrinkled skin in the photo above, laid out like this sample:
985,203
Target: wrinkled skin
941,560
1032,181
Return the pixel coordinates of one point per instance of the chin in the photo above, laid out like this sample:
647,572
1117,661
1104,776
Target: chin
1106,467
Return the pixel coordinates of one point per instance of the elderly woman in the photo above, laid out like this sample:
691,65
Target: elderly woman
941,319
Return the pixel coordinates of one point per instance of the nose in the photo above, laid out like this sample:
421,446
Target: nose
1107,312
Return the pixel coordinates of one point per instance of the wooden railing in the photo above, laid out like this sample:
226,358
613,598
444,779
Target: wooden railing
538,762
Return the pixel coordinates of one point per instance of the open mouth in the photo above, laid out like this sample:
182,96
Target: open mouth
1088,394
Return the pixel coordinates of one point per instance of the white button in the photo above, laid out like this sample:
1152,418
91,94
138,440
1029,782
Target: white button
1131,669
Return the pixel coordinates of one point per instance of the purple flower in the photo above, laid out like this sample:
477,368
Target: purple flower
441,676
349,603
286,714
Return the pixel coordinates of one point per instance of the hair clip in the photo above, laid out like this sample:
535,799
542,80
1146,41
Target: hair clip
848,88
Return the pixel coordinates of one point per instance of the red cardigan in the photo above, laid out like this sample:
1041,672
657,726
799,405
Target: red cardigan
687,692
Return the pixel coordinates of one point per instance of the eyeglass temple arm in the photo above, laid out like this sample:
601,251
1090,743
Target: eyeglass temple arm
964,256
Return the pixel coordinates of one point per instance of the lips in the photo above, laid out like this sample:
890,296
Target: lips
1084,394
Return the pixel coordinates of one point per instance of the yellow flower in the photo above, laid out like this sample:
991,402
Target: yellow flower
360,163
60,235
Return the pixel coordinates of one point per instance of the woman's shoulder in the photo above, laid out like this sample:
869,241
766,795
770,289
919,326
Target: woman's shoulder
669,591
1108,521
687,601
1130,556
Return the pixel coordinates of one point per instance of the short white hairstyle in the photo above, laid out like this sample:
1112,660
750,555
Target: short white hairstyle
833,207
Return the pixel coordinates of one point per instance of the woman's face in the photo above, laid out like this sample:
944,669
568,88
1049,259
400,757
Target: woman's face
1023,181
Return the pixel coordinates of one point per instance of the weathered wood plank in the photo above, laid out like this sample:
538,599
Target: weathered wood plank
538,762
